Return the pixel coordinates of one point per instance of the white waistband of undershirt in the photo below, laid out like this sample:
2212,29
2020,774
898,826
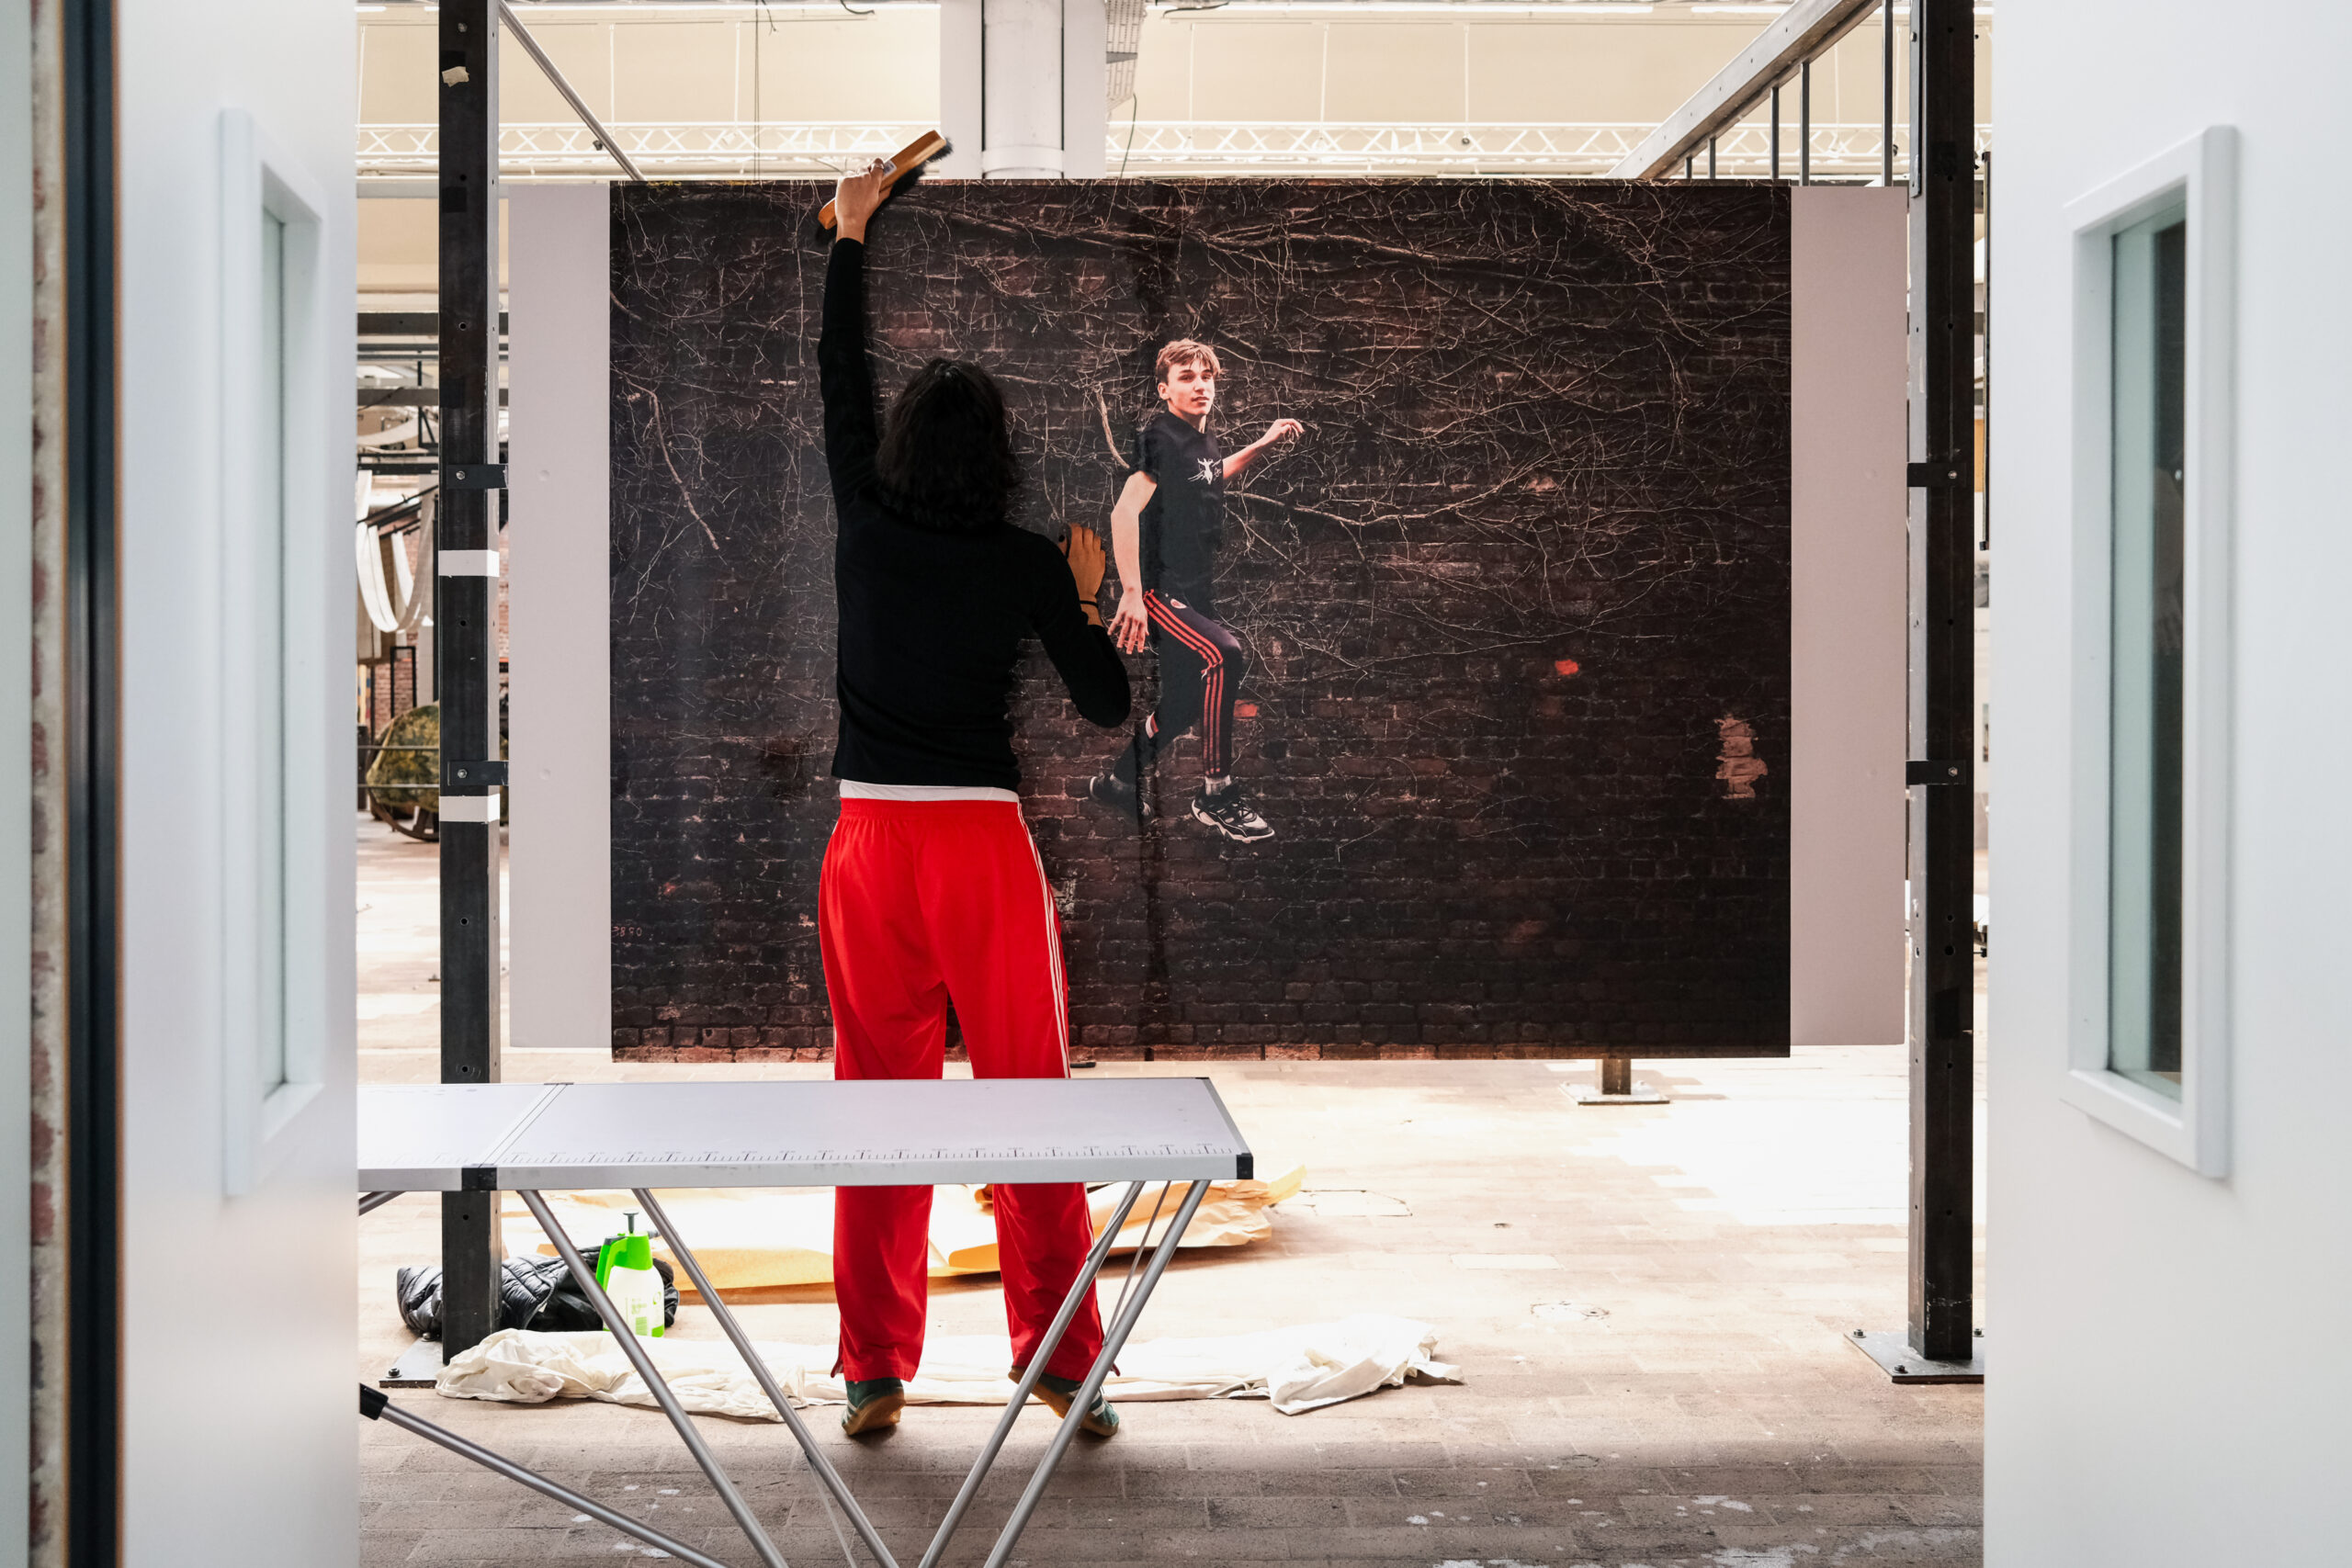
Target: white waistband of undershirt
853,790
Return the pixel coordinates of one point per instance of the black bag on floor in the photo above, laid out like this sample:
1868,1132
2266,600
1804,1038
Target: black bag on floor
533,1293
563,1308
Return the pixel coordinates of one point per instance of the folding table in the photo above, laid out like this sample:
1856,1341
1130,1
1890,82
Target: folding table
533,1138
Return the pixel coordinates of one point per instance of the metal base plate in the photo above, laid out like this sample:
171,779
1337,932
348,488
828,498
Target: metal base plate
419,1367
1594,1097
1892,1350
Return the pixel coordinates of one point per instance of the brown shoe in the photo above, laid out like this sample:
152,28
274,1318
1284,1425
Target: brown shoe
1060,1394
873,1404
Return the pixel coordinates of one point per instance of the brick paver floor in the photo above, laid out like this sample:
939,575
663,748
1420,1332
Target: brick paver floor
1645,1305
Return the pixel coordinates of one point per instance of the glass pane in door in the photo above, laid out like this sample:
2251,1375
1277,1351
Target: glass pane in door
268,557
2147,633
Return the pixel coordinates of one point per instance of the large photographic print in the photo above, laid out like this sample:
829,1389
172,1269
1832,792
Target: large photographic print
1493,642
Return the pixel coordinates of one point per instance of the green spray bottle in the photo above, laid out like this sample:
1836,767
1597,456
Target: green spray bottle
625,1270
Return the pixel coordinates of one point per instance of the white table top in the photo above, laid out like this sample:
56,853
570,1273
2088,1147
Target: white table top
417,1137
446,1137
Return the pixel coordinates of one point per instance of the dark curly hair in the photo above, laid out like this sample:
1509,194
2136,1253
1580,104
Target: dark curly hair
946,461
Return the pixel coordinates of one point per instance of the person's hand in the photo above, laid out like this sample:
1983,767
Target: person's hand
1130,628
1082,548
1281,429
856,197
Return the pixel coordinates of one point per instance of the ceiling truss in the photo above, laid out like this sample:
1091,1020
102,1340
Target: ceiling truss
730,150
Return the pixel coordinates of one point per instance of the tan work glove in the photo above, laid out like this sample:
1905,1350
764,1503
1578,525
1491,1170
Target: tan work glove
1083,548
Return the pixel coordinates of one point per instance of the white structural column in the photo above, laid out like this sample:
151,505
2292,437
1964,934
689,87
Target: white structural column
560,843
1020,88
1848,273
1022,58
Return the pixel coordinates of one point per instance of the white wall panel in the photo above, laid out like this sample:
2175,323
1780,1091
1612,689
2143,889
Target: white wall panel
1266,71
1364,84
2166,1390
1847,650
582,51
399,73
961,99
239,1443
871,69
675,70
559,411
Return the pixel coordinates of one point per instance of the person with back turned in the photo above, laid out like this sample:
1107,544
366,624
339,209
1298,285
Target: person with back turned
933,892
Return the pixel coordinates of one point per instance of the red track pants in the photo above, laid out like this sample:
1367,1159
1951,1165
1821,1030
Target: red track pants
923,902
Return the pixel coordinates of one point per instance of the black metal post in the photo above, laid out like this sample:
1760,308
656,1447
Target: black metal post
1804,123
1711,157
1942,698
1776,133
465,630
81,1389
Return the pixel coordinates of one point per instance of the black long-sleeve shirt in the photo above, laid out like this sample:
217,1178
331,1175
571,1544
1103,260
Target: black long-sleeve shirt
932,622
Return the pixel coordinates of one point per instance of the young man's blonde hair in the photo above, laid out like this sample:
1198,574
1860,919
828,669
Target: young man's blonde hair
1186,351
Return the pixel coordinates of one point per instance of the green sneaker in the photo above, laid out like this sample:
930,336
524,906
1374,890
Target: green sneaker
1060,1394
873,1404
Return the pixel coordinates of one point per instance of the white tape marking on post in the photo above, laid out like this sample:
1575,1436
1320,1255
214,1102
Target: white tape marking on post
469,563
470,808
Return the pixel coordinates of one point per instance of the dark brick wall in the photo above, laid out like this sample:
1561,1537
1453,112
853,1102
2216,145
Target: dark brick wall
1517,606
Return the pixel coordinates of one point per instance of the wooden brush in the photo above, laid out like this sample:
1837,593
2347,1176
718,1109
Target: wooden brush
909,158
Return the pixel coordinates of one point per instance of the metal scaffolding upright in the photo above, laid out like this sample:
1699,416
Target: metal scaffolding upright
466,640
1941,773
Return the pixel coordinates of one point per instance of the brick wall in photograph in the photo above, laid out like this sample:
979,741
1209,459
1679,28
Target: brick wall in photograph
1516,607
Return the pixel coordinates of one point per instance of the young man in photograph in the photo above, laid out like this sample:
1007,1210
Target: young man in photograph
1165,532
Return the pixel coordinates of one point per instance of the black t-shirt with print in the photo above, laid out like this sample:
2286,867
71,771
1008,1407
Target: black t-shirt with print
1184,522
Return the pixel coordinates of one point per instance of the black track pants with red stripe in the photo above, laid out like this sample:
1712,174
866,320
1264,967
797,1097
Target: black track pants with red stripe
1200,673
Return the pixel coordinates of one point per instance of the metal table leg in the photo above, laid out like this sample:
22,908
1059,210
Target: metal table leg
376,1407
586,1278
1113,1341
1087,1274
743,1343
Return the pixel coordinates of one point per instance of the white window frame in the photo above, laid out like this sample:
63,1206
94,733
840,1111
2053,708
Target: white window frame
2201,172
259,1120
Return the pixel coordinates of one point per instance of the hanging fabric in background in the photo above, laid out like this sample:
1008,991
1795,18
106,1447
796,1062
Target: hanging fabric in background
367,551
416,586
401,604
1473,635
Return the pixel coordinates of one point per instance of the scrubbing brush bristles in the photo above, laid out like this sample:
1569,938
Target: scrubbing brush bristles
903,170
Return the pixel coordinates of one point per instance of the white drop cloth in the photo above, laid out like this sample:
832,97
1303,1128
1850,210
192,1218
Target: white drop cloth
1298,1368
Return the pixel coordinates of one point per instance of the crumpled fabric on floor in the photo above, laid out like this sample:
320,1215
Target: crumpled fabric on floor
1298,1368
